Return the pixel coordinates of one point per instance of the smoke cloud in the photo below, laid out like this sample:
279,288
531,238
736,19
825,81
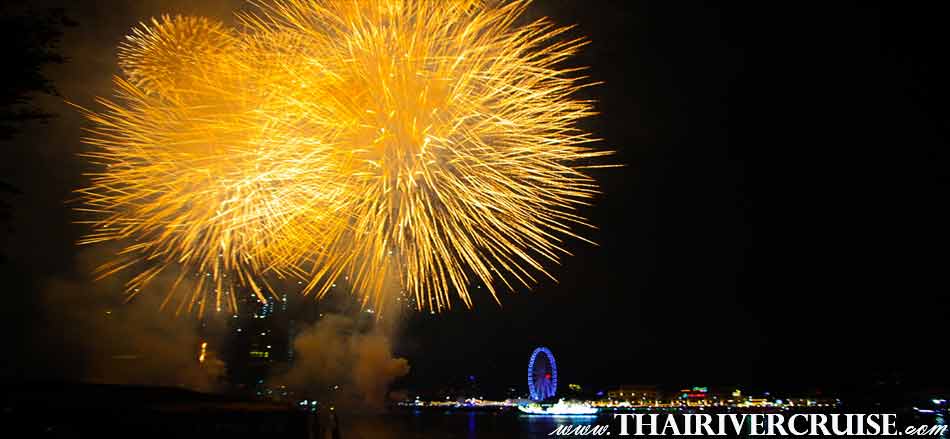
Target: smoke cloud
339,364
91,334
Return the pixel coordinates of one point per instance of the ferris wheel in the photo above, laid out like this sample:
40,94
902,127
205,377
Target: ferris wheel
542,374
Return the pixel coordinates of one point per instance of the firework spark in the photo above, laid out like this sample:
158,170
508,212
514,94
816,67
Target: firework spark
431,142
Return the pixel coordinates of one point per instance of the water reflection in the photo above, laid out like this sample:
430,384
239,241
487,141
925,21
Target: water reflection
459,424
471,425
940,420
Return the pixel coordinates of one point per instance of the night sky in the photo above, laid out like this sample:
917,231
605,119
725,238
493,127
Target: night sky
780,218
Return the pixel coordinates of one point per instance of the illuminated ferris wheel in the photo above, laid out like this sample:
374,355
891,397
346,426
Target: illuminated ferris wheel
542,374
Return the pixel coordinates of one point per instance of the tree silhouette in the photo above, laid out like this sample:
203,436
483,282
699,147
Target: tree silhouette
29,42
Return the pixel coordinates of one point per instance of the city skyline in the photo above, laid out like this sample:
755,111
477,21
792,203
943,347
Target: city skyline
778,221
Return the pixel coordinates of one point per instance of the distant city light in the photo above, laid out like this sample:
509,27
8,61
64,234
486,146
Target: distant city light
201,356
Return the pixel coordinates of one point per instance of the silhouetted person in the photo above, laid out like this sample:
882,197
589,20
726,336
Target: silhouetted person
334,426
312,427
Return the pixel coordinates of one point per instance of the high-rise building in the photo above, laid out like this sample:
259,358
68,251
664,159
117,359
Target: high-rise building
638,394
258,342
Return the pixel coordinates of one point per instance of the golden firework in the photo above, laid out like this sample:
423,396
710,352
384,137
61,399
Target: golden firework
161,57
435,143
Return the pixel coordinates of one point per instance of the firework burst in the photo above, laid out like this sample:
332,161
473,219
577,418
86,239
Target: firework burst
431,142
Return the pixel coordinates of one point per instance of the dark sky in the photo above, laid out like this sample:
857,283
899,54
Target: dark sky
781,217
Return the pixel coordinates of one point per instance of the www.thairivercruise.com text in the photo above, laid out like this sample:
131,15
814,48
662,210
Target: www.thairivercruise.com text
757,424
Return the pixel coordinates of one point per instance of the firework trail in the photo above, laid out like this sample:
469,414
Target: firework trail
435,143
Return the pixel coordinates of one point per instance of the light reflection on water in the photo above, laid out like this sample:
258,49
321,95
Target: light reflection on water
939,420
458,424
